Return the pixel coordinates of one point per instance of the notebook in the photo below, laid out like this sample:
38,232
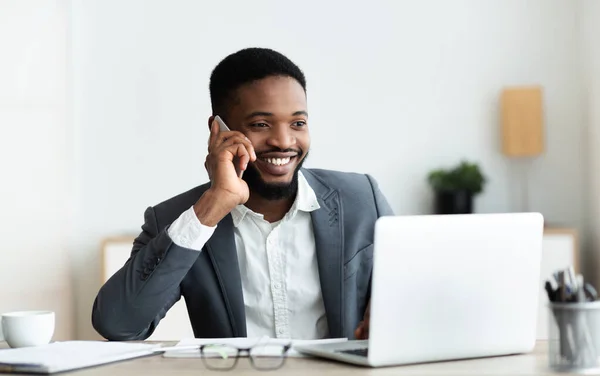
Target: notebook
189,347
69,355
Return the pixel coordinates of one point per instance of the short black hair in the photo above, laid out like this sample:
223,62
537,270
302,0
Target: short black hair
246,66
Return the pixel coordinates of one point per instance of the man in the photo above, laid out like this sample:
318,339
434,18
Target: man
283,251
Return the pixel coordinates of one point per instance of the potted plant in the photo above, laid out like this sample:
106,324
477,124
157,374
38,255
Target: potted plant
456,187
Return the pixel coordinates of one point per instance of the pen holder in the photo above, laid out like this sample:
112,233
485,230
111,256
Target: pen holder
574,337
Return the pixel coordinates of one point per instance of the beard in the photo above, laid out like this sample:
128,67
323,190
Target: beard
272,191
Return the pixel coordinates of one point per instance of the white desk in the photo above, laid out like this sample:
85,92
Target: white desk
534,363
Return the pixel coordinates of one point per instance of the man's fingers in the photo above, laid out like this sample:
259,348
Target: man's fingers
225,146
244,156
367,315
218,137
234,139
214,133
226,135
245,142
360,331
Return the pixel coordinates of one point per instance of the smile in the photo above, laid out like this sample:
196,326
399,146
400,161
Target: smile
277,165
278,161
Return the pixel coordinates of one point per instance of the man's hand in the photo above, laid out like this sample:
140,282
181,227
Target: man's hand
227,189
362,331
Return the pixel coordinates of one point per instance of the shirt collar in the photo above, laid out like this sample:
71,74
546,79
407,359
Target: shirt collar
306,201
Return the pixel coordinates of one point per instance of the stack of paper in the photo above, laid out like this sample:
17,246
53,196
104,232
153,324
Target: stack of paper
189,347
65,356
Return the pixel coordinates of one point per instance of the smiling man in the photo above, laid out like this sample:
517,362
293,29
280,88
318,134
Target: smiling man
283,251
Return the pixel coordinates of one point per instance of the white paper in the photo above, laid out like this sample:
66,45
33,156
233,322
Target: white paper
62,356
265,343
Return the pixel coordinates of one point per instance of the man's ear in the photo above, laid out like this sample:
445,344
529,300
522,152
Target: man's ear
210,121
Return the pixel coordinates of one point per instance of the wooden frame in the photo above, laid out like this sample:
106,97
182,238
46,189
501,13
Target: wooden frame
120,240
115,251
575,235
560,250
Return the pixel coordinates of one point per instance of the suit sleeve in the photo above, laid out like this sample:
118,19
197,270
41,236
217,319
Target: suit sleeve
383,208
381,204
132,302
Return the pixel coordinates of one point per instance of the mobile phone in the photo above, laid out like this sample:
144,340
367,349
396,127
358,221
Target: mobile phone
222,126
236,160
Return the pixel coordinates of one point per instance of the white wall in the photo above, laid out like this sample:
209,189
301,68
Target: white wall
395,89
35,267
591,63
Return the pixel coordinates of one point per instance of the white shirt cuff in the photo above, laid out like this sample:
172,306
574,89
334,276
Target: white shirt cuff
188,232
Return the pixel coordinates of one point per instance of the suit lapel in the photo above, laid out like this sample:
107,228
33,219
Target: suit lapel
327,228
222,253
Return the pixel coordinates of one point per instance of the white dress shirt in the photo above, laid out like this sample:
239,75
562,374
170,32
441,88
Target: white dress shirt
278,266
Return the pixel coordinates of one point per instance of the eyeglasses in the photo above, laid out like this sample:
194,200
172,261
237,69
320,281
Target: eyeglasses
263,357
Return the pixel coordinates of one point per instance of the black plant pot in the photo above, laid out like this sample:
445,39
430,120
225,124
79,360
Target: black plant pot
453,202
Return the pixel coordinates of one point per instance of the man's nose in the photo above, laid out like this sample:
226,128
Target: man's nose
282,137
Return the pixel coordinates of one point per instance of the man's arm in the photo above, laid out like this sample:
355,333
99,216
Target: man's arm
381,204
383,208
132,302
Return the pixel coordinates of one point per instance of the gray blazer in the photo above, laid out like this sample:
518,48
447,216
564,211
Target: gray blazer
133,301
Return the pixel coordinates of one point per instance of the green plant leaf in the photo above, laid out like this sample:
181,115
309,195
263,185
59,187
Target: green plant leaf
464,176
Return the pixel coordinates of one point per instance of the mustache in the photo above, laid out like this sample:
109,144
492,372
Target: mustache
278,150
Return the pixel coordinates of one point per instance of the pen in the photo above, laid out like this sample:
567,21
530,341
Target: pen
580,289
562,287
590,292
549,291
176,348
572,279
560,295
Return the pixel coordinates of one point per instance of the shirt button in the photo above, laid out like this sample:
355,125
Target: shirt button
280,330
277,286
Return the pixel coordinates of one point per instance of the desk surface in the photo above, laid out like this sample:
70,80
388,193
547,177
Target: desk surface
534,363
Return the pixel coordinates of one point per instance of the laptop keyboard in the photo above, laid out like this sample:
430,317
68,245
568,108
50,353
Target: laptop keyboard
359,352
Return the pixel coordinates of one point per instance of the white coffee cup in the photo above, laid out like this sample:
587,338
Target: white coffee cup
27,328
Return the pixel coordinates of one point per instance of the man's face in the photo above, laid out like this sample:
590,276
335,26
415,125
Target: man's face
272,113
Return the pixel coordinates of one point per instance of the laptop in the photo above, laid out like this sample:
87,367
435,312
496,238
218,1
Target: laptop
449,287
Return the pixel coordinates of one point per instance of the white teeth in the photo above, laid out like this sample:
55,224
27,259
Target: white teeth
278,161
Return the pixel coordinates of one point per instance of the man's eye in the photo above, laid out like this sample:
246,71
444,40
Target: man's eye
259,125
300,123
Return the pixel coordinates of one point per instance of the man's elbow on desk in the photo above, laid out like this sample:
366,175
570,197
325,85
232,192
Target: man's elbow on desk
114,327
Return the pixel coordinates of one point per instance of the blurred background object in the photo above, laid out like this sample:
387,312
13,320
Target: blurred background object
522,121
456,188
